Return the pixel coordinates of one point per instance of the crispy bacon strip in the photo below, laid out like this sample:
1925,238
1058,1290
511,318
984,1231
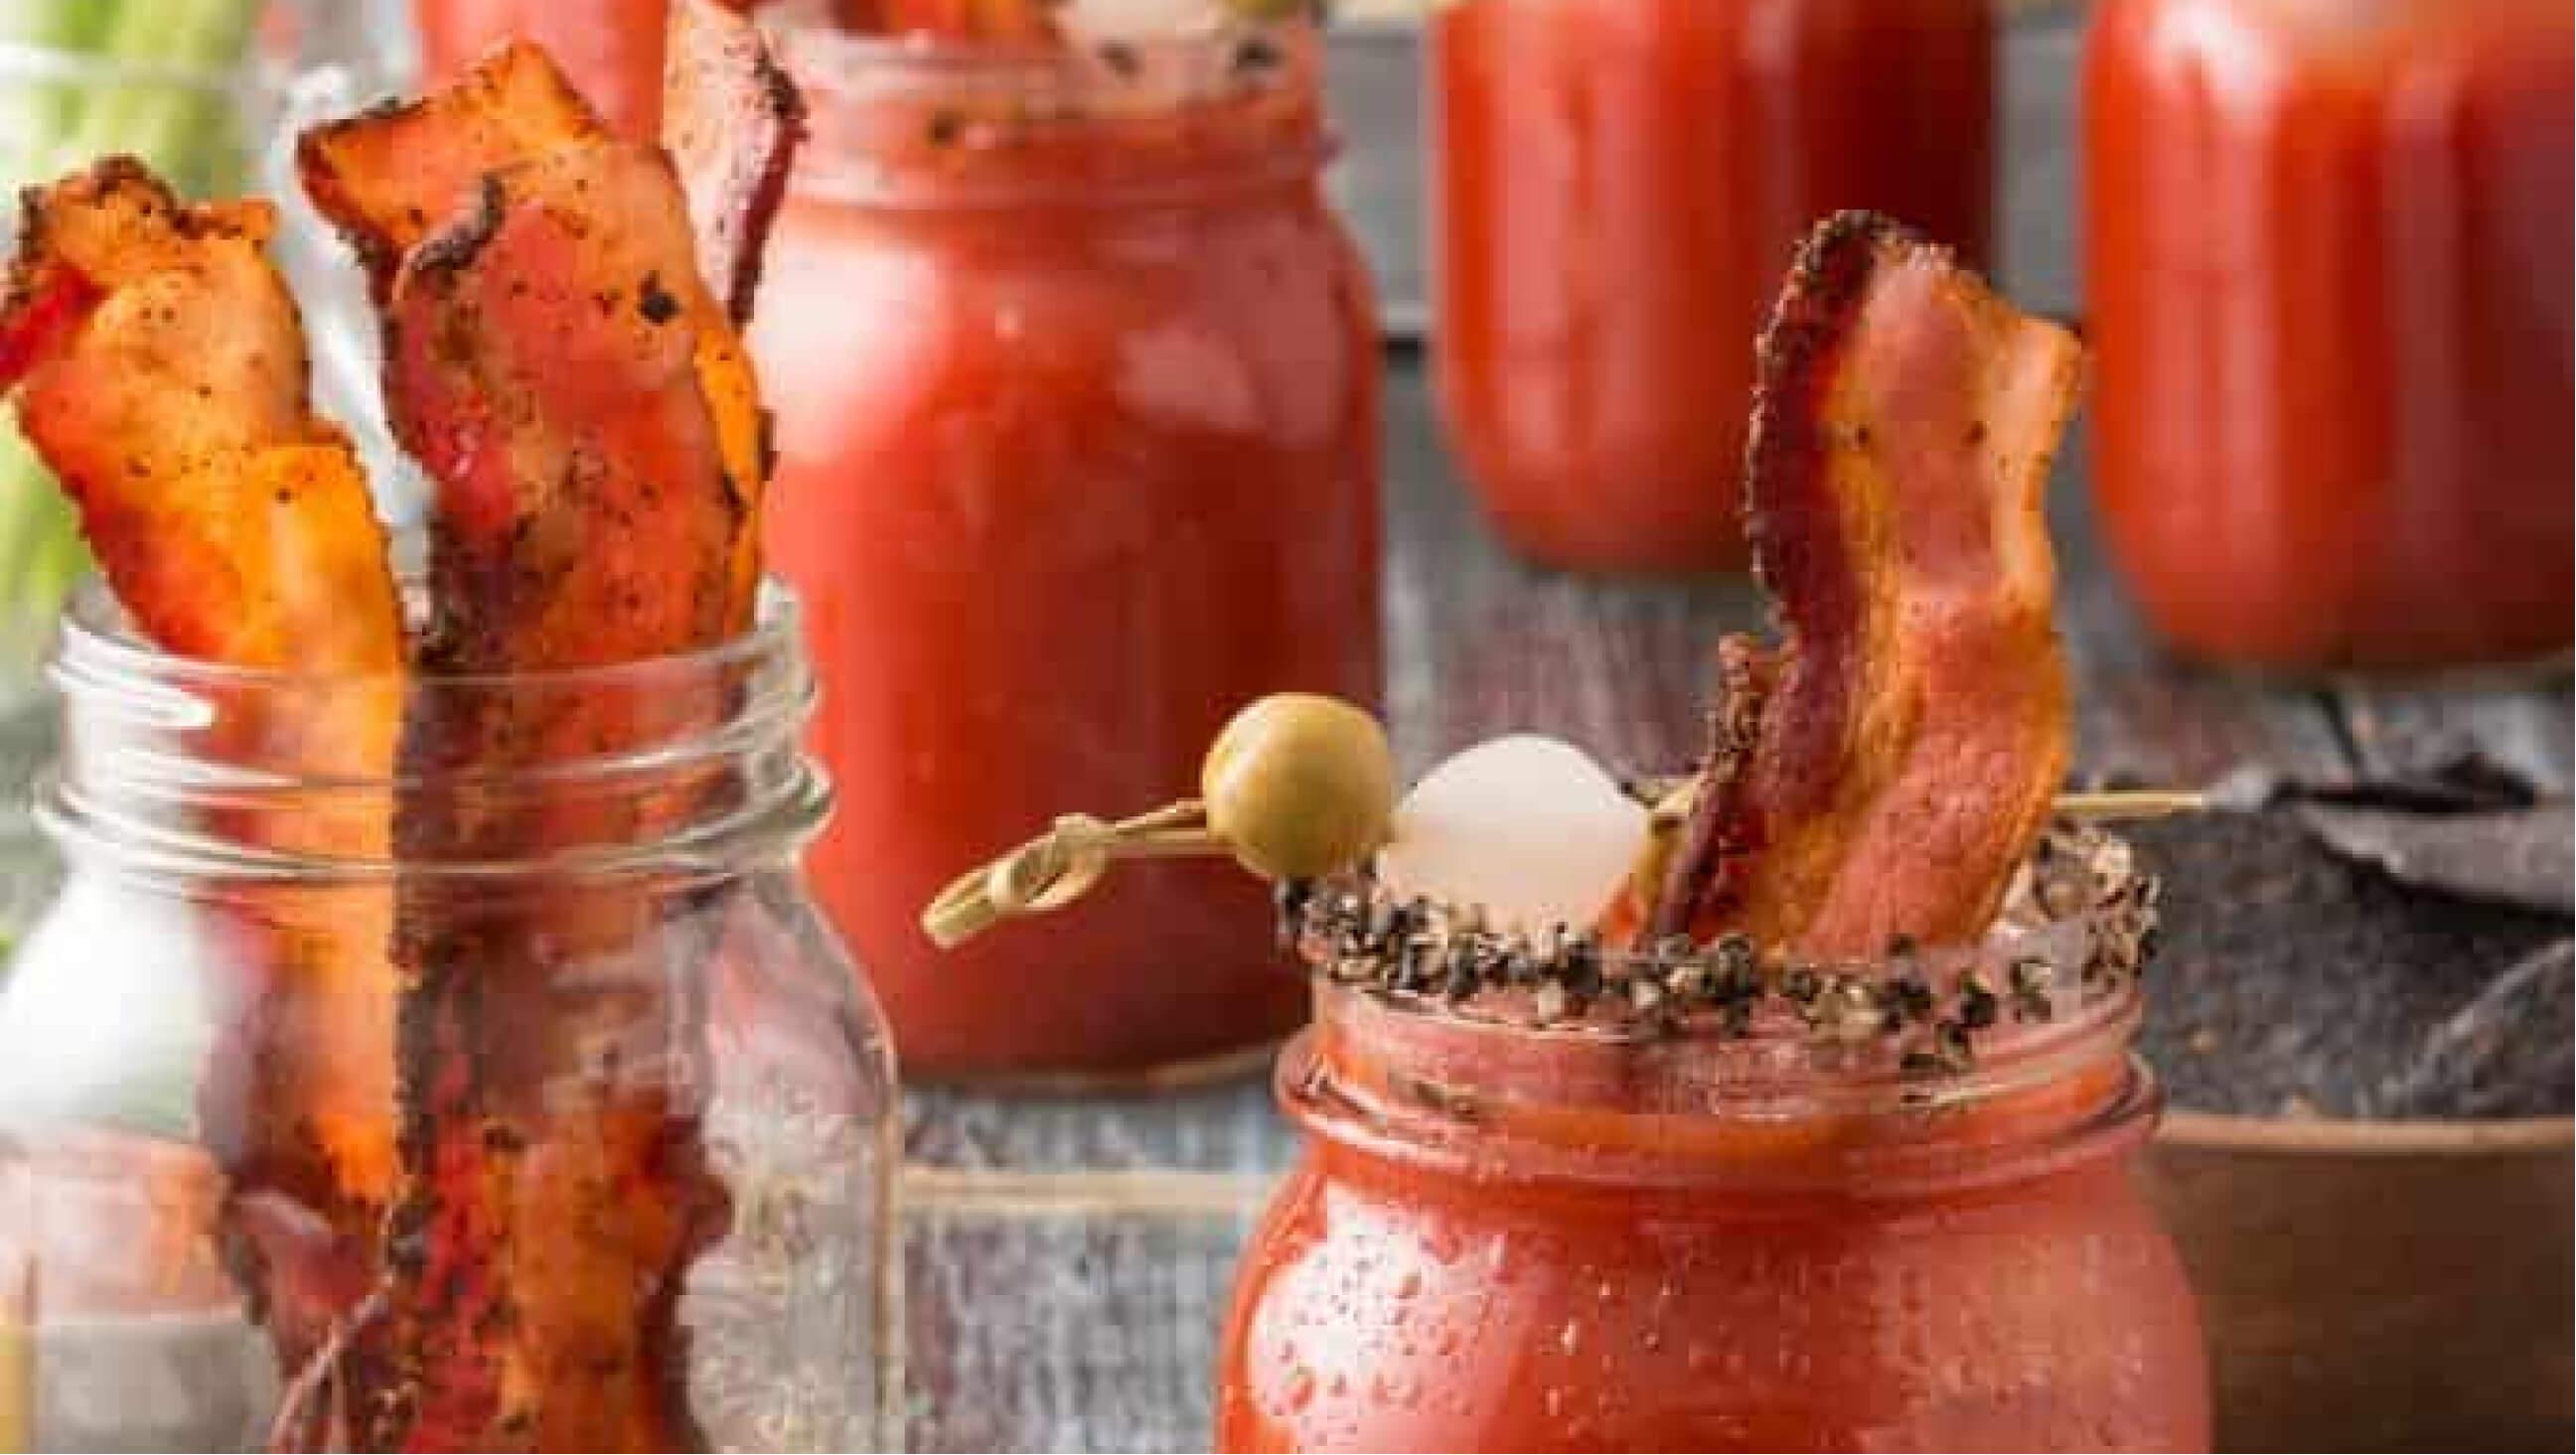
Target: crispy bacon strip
1904,426
732,121
1748,673
159,366
388,177
546,363
542,366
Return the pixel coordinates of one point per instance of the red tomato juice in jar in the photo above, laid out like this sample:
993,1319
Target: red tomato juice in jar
612,49
1510,1236
2327,251
1617,185
1078,420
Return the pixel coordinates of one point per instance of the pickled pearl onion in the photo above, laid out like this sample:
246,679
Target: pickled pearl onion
1529,827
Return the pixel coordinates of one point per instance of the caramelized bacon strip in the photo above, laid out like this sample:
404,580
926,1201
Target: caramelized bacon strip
543,364
160,370
1904,425
732,121
387,178
1709,848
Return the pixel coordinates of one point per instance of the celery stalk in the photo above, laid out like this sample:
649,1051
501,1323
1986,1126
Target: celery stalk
36,113
189,136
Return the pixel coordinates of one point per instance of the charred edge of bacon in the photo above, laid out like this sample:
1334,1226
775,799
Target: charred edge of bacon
379,256
325,154
453,249
1801,553
769,189
739,109
430,946
1800,519
1715,833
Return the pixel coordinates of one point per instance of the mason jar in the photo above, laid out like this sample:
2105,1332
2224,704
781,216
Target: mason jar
285,1049
1616,189
1100,465
2333,325
1883,1206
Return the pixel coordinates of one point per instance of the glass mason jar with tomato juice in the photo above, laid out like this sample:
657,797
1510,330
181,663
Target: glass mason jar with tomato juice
1616,185
612,49
2326,249
1078,423
1746,1222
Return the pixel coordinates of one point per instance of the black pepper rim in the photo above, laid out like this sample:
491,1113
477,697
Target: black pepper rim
2088,917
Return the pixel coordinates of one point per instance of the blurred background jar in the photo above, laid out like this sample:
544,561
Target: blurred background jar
1077,399
612,49
1617,187
2326,256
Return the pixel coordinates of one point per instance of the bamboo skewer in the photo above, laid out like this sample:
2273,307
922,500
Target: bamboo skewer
1061,865
18,1360
2130,805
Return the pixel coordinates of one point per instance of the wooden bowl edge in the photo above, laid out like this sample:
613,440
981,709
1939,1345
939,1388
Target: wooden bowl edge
2199,1130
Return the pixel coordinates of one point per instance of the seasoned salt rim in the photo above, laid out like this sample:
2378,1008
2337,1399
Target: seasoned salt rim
2075,932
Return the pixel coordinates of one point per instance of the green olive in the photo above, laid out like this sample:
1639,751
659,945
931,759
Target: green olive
1299,785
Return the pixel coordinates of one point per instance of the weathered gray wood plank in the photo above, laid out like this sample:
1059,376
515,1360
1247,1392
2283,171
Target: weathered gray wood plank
2525,727
1038,1321
1224,1127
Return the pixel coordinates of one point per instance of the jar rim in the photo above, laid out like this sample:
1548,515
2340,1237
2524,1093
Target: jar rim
2075,1109
831,57
1688,1054
912,123
1736,1075
2075,929
1632,1114
185,769
97,641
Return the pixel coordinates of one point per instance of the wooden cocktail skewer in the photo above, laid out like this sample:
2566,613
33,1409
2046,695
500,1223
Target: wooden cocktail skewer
18,1359
2130,805
1061,865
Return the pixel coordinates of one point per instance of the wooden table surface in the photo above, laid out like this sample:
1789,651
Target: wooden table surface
1068,1260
